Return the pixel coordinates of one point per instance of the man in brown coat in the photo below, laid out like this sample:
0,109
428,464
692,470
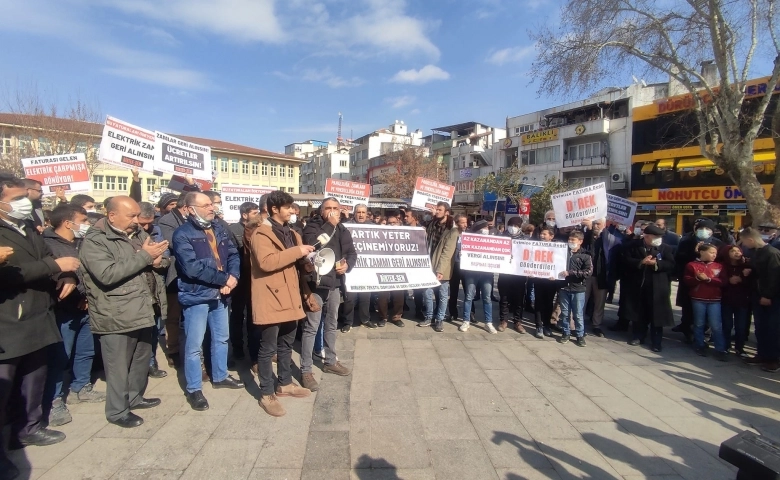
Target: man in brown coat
277,254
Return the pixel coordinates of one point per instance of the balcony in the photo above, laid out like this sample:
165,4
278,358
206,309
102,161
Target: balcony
461,198
599,126
586,163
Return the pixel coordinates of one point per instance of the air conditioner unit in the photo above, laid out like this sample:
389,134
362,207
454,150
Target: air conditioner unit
618,177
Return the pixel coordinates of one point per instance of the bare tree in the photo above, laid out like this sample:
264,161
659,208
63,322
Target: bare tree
506,183
407,164
597,40
541,201
40,127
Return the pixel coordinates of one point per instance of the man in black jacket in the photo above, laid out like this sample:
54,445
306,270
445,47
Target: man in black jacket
360,299
240,301
596,286
27,323
168,224
326,289
35,193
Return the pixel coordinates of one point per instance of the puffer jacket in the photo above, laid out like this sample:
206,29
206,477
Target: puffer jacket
341,244
199,278
115,276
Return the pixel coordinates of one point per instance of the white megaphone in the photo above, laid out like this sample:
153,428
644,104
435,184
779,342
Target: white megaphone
323,261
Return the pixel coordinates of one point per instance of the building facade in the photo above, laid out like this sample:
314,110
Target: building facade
327,162
368,152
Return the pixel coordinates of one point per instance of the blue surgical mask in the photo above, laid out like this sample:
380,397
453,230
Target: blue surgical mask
703,233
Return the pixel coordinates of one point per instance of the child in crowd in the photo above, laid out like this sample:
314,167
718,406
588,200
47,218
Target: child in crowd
703,278
735,302
572,295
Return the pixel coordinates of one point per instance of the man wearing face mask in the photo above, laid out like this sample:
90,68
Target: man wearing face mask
27,320
209,267
295,219
118,258
511,288
768,231
69,226
686,252
648,264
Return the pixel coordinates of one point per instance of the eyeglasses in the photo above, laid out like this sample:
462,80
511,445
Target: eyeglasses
203,206
36,190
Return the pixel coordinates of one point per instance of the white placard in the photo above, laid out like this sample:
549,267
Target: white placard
532,258
485,253
620,210
427,193
234,195
574,206
125,145
177,156
68,171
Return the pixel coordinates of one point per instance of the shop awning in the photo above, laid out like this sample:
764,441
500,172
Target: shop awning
647,168
666,164
692,164
764,157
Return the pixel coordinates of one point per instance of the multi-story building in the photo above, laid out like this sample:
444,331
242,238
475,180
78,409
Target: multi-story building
231,163
330,162
367,152
302,149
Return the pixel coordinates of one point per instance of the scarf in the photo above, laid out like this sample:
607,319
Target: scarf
283,233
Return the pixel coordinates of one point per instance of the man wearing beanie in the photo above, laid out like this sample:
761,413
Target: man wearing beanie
648,266
167,203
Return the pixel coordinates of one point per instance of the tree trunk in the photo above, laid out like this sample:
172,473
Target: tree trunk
773,206
739,159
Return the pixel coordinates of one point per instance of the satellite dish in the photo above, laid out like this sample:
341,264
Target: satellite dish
323,261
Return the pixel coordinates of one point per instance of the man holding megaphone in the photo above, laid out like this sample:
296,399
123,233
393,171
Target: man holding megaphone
325,232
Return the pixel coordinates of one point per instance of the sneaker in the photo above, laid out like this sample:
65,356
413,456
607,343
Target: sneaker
519,328
453,319
464,326
502,326
89,395
581,342
346,328
771,367
491,328
369,324
381,323
742,354
634,342
292,390
539,333
701,351
271,405
336,368
59,414
547,331
565,338
425,323
598,332
308,382
438,327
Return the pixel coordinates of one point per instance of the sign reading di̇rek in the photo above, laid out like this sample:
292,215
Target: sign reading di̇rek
574,206
68,171
427,193
349,194
532,258
485,253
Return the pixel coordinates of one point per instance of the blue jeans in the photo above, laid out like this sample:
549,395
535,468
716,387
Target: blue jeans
572,303
767,330
436,311
78,346
214,315
707,313
157,330
483,282
737,319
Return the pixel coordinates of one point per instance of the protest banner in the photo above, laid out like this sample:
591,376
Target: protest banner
531,258
174,155
177,183
427,193
68,171
349,194
234,195
389,258
574,206
485,253
620,210
128,146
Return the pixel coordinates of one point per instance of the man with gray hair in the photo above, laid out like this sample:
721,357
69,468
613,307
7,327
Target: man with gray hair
360,299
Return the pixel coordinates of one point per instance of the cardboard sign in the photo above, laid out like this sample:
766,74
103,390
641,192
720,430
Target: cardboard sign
485,253
574,206
181,157
389,258
620,210
125,145
349,194
537,259
427,193
234,195
178,182
68,171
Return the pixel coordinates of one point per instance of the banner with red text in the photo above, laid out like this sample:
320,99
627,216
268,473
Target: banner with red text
485,253
234,195
125,145
350,194
574,206
427,193
531,258
180,157
68,171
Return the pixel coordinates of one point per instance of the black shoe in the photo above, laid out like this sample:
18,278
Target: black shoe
678,328
656,348
634,342
42,438
438,327
581,342
155,372
722,356
598,332
557,328
369,324
397,322
229,382
131,420
146,403
381,323
8,470
565,338
346,328
701,351
618,327
197,401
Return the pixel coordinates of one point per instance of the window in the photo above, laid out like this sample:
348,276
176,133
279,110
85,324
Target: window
586,150
213,164
255,164
44,146
234,165
150,184
342,163
122,184
81,147
215,186
273,169
282,170
245,168
223,165
264,169
465,187
97,182
164,183
5,147
524,129
588,181
290,172
541,156
290,190
111,182
351,158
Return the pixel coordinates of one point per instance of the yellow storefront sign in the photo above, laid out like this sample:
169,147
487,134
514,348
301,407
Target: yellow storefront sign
696,194
549,135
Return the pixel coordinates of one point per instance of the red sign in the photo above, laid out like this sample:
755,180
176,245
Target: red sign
178,182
